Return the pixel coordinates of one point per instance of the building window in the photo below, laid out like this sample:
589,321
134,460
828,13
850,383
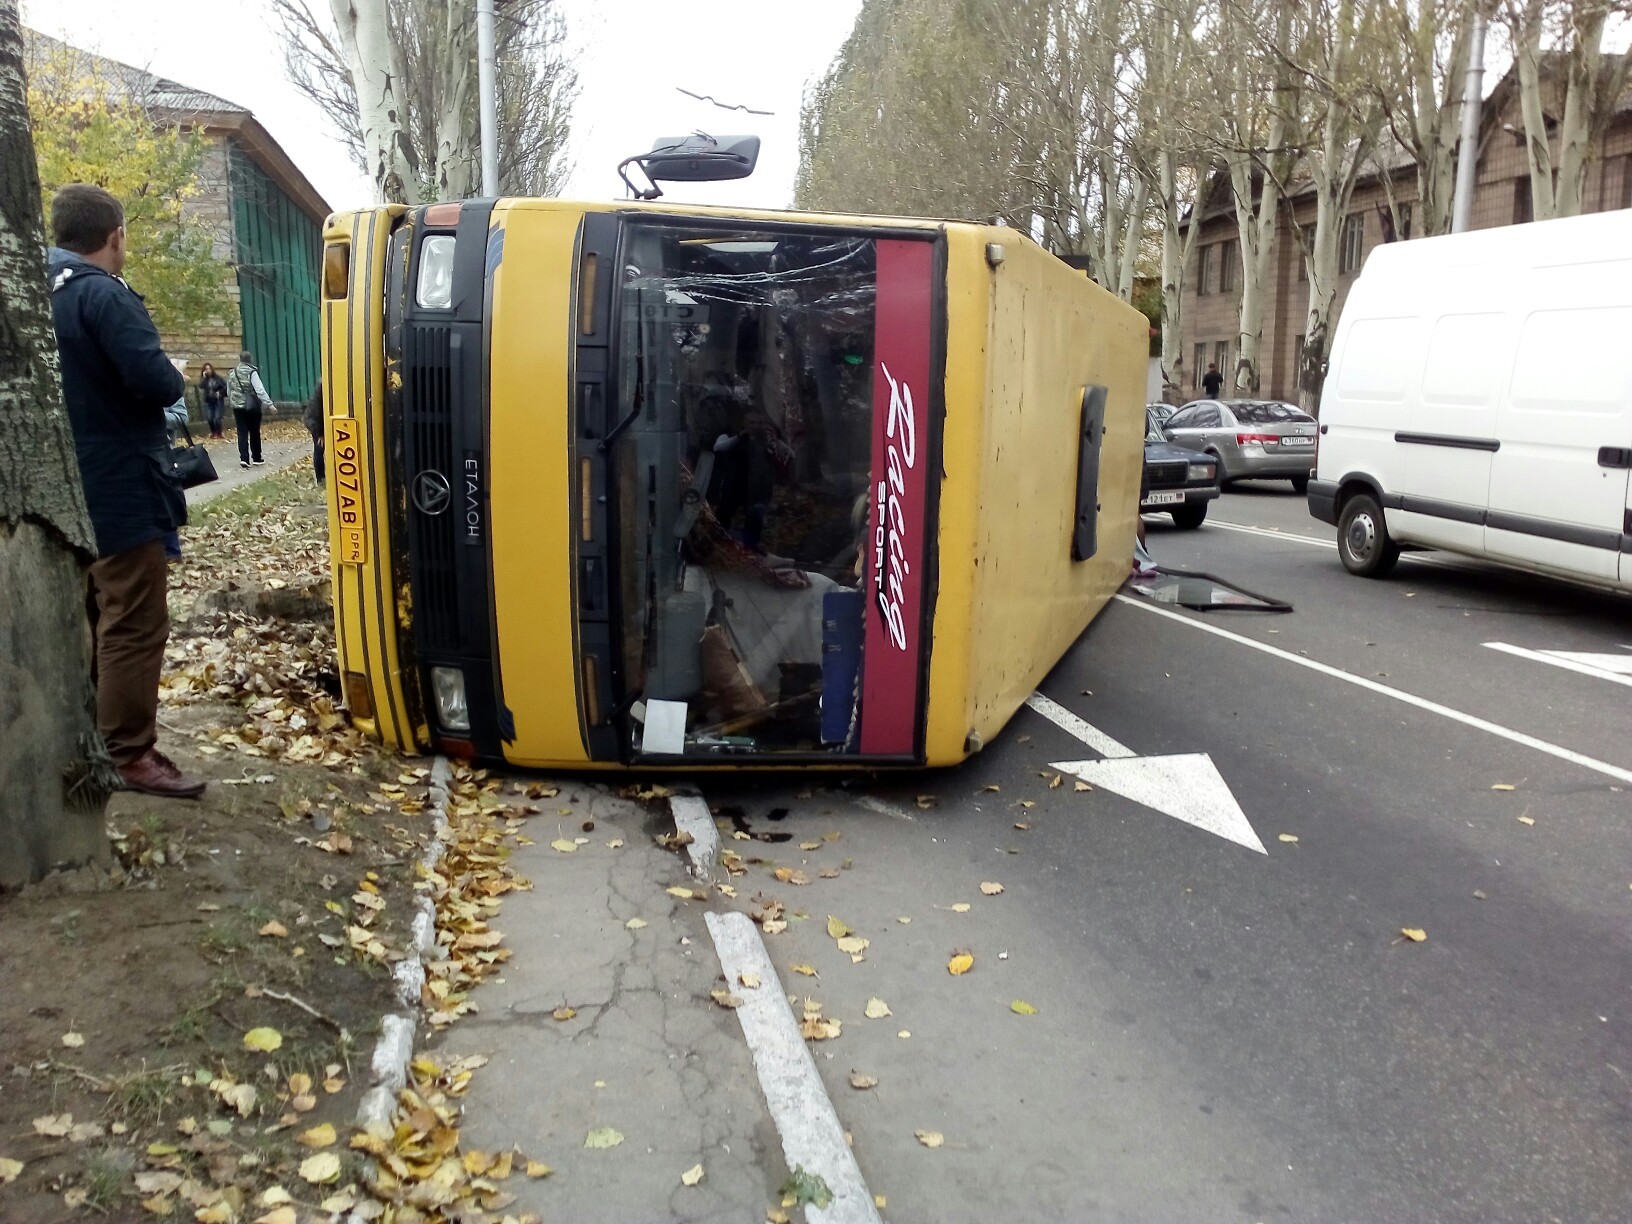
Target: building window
1523,210
1226,266
1351,243
1626,182
1195,373
1221,355
1204,274
1405,222
1306,243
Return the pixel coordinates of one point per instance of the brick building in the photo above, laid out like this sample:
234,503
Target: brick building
1502,197
266,220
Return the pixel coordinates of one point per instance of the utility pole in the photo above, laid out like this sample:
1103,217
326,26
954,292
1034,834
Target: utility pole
487,86
1467,157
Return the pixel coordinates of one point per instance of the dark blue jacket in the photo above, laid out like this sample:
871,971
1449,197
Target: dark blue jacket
116,383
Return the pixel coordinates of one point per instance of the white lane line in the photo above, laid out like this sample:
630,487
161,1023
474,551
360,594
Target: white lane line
1274,535
1421,703
883,809
691,815
805,1119
1072,725
1563,660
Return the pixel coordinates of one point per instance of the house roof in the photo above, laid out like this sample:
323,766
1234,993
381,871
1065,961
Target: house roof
172,102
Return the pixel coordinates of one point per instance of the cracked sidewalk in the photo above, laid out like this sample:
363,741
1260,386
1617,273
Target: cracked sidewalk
648,1053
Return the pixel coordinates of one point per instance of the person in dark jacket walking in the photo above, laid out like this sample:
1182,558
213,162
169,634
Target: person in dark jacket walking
212,388
116,384
313,418
247,396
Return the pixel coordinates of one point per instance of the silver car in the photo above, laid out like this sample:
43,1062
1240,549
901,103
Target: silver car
1252,439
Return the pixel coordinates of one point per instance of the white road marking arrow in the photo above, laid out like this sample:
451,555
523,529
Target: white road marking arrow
1187,787
1616,668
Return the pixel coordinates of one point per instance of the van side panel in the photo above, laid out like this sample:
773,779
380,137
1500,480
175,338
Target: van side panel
1569,394
1052,333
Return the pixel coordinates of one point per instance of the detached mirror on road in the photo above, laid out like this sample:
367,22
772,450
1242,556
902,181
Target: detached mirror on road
698,158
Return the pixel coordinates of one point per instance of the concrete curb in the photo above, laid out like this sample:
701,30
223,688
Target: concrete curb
691,815
389,1064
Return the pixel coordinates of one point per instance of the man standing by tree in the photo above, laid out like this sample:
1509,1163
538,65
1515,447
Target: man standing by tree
116,383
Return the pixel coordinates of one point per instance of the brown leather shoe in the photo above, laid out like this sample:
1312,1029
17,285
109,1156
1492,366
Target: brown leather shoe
153,773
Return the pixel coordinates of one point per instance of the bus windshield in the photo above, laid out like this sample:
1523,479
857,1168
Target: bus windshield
745,374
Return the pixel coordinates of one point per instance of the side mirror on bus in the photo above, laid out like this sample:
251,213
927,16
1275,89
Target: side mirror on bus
697,158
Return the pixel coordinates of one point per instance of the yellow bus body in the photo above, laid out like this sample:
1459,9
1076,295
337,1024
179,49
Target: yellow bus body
1024,337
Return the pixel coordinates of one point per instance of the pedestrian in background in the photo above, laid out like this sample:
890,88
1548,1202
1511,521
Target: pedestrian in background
247,395
314,425
1212,382
212,389
116,384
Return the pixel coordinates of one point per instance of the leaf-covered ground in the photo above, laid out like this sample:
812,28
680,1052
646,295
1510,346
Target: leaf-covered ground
187,1034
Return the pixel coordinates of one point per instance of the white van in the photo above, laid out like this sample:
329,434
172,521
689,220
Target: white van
1479,400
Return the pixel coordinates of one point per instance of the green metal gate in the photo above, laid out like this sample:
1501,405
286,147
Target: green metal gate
280,251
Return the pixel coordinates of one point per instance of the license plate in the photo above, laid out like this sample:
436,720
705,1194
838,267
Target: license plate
1297,441
346,471
1163,499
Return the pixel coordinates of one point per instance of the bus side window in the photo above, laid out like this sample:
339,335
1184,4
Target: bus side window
1085,532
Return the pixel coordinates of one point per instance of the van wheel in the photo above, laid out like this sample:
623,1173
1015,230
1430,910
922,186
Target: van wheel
1362,538
1300,485
1189,517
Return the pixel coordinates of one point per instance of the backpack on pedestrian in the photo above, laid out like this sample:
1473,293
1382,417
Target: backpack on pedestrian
241,394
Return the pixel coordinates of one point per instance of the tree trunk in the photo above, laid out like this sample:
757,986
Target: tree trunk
54,772
1178,245
1538,149
376,68
455,161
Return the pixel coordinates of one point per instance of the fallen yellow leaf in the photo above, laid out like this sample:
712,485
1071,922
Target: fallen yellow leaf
930,1139
806,970
219,1212
1055,782
726,999
1502,786
9,1169
1414,934
960,964
862,1082
1527,820
265,1040
564,845
876,1009
274,930
1288,837
904,1034
634,924
962,907
1021,1008
1083,786
692,1175
991,888
564,1013
835,928
299,1085
853,944
810,845
537,1168
322,1168
603,1137
73,1040
317,1137
749,981
685,894
278,1215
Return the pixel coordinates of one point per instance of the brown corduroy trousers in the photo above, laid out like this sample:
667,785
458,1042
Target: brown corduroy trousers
130,618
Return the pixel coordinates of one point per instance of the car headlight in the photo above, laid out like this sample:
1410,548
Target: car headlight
1199,471
448,686
435,288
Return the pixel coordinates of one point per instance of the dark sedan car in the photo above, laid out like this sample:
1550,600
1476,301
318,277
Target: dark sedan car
1177,481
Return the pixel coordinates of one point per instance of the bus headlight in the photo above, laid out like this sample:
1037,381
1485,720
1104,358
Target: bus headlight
448,686
1199,471
435,289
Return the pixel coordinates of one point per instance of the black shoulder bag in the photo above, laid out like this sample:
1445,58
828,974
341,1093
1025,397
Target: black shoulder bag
191,465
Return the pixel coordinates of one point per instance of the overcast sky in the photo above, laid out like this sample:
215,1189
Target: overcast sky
632,54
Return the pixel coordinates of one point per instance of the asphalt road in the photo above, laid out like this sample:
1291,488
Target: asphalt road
1222,1034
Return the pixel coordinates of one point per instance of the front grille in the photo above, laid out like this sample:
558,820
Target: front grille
1167,473
428,426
